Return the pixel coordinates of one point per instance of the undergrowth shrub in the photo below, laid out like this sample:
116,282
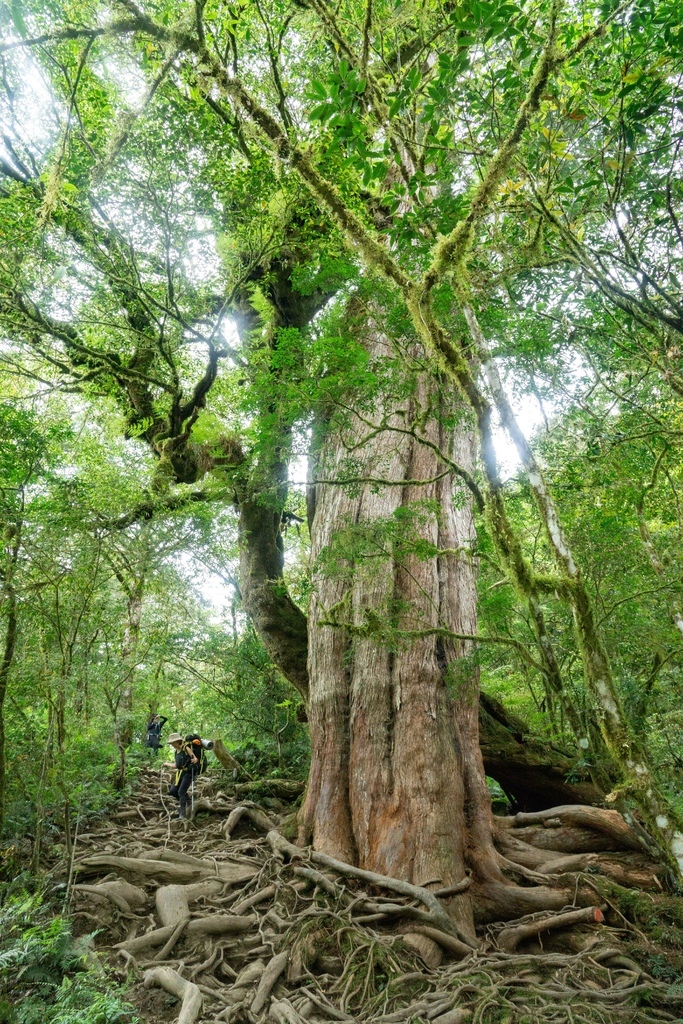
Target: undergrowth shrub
263,760
46,976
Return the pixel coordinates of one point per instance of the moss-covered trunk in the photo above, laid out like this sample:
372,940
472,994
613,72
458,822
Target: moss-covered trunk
279,622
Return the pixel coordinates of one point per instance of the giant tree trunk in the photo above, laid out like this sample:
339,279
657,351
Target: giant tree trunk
397,782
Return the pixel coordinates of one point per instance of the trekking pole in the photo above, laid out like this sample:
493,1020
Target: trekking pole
192,800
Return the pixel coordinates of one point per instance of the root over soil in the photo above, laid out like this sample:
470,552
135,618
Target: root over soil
222,919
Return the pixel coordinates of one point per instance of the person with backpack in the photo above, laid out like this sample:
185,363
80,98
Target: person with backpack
190,761
153,735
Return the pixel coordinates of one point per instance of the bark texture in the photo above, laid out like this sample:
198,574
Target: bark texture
394,726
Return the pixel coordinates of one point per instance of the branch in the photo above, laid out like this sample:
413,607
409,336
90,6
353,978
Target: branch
374,252
451,250
122,26
149,509
406,482
367,25
440,631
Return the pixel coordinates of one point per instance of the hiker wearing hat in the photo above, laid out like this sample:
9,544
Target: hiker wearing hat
186,767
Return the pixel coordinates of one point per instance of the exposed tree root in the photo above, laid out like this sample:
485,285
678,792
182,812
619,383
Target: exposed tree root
253,929
185,990
251,811
597,819
509,938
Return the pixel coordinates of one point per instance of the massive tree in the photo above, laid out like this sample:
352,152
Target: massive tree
384,199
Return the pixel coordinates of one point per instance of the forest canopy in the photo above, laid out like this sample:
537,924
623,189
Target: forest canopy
341,379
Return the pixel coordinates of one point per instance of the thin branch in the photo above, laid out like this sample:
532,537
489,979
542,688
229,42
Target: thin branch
123,26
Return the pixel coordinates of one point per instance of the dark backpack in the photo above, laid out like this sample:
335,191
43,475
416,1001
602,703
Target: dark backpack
198,751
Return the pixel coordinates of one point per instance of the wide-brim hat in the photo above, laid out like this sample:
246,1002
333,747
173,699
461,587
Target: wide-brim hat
175,737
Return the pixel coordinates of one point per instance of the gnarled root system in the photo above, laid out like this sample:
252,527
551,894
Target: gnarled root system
247,927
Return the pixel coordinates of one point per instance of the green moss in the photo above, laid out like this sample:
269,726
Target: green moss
660,916
289,827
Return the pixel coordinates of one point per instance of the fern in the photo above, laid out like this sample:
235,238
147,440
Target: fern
44,977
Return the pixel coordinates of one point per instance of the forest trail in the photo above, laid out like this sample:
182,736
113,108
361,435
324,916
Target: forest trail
221,919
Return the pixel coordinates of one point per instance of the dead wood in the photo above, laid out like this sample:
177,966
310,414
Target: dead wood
509,938
607,822
184,990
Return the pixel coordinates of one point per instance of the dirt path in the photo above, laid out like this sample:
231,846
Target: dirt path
222,919
142,873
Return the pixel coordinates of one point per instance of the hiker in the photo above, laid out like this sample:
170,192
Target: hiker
153,737
190,761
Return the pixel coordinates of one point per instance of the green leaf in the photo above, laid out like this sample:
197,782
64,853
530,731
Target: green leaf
316,90
322,112
18,19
